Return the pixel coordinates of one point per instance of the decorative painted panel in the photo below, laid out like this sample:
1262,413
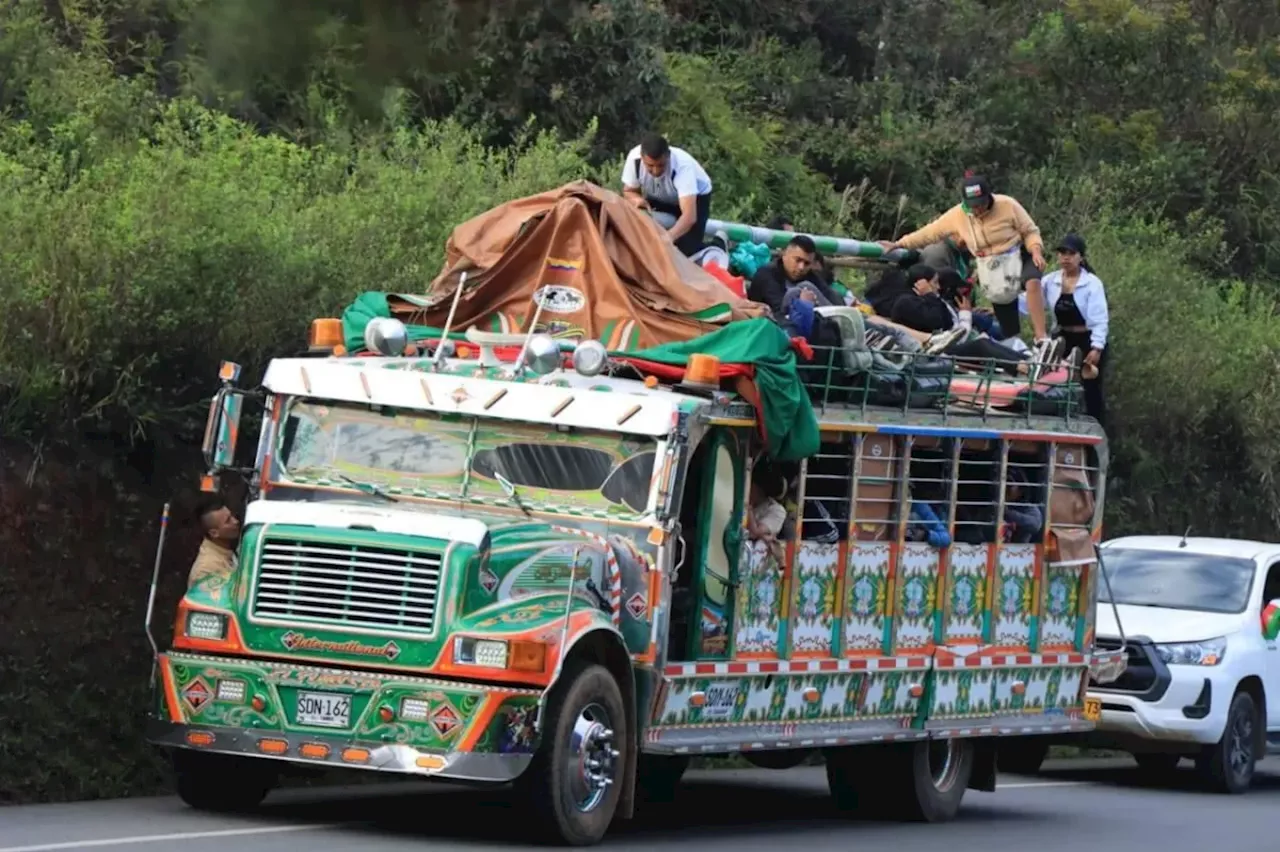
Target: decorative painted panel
1013,602
865,594
1030,692
1060,606
966,595
813,603
758,604
916,591
815,697
961,694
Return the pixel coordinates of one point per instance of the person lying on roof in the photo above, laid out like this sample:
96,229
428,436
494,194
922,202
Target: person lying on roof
951,325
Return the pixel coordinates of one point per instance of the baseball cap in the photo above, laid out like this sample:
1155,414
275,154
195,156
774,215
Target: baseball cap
976,191
1072,243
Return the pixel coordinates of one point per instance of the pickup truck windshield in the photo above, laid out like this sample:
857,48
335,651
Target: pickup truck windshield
425,454
1177,579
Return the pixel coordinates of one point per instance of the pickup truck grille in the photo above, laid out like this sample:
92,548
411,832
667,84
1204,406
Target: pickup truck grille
347,585
1140,675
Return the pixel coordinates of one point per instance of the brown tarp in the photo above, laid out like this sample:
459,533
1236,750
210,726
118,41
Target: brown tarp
606,270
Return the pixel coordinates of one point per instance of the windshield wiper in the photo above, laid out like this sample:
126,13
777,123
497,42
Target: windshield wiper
509,489
368,488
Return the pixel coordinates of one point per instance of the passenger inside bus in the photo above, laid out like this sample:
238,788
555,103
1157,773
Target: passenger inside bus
1023,518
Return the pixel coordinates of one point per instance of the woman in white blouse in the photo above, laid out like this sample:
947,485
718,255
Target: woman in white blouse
1078,301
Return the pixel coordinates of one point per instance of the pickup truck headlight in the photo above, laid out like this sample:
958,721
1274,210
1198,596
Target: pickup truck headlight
1206,653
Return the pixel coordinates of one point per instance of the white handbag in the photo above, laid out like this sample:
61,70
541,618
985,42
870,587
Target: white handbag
999,275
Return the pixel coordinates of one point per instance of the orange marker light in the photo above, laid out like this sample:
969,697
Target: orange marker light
199,738
326,333
703,370
314,751
430,761
268,746
355,755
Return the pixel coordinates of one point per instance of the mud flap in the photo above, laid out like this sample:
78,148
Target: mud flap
983,778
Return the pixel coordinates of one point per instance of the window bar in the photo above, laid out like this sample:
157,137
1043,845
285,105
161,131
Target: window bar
942,610
993,549
903,504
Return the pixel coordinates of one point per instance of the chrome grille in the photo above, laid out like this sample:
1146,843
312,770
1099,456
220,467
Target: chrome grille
352,585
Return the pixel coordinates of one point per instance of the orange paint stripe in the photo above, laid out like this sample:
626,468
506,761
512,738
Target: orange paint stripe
480,721
170,690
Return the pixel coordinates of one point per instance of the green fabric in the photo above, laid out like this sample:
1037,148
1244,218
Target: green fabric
372,305
790,426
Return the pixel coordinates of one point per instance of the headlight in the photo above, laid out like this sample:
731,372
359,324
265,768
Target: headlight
1207,653
491,653
206,625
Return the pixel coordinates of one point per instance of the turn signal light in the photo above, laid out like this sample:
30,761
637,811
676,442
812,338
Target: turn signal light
430,761
199,738
528,656
326,333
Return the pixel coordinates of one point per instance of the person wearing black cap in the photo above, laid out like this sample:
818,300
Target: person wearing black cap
998,231
1078,301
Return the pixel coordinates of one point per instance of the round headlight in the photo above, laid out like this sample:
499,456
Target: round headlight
590,357
386,336
543,354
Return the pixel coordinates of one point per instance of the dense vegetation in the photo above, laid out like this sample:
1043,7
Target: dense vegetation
188,180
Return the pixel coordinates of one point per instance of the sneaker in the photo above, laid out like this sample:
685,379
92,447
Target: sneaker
720,239
940,340
1045,353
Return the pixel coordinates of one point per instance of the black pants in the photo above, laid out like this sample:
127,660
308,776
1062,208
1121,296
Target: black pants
691,243
982,348
1095,404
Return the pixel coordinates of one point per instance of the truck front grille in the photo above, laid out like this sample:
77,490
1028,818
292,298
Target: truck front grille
348,585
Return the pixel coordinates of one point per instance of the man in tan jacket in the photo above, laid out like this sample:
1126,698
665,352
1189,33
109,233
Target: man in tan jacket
985,224
217,555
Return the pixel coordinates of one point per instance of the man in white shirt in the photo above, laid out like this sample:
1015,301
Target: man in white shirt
669,180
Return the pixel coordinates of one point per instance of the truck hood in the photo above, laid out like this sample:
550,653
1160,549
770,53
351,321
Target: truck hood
1162,625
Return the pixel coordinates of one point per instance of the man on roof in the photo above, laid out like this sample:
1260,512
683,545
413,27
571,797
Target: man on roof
668,180
998,231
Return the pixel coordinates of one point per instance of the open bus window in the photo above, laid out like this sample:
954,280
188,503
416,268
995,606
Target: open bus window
875,506
930,476
827,477
977,491
1026,491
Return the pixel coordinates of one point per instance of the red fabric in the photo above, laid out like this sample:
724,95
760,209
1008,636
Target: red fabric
736,283
802,347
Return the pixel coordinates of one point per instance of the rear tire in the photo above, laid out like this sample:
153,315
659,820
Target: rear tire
921,782
222,783
1227,766
1021,757
575,778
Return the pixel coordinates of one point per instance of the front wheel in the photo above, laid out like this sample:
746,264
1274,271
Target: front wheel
222,783
574,780
1227,766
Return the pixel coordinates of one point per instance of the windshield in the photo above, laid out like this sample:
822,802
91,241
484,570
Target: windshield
444,456
1176,579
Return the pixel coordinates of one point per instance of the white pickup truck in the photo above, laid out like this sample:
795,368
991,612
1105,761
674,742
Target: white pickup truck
1203,676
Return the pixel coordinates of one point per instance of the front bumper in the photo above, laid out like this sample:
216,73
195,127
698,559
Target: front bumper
245,707
1192,709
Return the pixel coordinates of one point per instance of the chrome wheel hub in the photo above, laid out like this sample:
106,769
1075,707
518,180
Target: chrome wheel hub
592,758
944,763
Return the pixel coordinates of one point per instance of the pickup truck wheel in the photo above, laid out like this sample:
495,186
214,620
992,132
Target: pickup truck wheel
575,778
1227,766
222,783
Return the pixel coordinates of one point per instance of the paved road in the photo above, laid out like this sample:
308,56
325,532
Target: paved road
1096,806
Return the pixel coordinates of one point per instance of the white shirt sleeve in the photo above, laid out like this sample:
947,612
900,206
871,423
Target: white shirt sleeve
629,178
771,516
686,180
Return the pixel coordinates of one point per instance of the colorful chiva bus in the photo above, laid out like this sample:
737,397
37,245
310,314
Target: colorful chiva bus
453,569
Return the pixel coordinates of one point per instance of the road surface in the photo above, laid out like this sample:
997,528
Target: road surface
1094,806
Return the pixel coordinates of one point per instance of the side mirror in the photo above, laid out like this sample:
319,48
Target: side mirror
1271,620
222,429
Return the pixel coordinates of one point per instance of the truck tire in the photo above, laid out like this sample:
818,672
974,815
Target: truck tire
222,783
1021,756
575,778
658,776
923,781
1227,765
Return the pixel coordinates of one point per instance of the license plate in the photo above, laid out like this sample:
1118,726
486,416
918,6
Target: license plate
721,698
324,710
1092,709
